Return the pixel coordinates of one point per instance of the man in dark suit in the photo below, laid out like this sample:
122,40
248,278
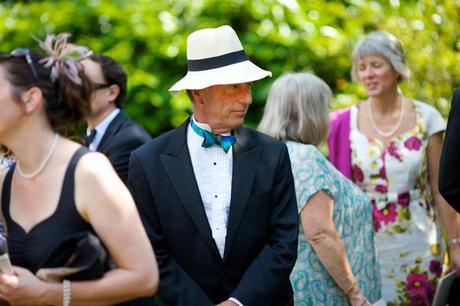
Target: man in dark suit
449,170
110,131
217,199
449,180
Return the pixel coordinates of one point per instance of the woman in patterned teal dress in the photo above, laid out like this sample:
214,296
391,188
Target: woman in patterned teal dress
336,262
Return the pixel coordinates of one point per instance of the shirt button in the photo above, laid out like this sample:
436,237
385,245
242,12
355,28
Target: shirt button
214,163
215,195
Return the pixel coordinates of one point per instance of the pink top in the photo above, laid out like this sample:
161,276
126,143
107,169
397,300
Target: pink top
338,141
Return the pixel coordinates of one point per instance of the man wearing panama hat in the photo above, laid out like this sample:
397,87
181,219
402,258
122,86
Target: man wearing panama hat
217,199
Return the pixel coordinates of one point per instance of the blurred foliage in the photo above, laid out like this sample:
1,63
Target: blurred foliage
148,37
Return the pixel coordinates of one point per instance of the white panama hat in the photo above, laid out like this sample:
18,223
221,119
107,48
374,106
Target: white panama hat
215,56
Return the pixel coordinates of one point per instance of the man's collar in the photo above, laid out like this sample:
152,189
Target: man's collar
104,124
205,126
101,128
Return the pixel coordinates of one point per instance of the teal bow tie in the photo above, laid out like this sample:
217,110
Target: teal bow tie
209,139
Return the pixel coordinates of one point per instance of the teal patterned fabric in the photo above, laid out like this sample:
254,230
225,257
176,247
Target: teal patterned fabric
353,220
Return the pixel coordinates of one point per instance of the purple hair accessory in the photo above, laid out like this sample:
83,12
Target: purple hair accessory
62,56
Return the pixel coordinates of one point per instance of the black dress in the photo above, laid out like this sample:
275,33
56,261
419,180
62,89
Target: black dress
31,249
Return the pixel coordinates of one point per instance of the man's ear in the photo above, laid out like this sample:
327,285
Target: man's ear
197,96
114,91
32,100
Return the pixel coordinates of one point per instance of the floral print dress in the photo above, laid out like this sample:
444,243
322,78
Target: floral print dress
5,162
353,220
408,238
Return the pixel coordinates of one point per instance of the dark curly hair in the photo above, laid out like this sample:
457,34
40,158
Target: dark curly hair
66,102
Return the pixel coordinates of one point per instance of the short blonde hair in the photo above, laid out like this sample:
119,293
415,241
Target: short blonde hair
297,109
384,44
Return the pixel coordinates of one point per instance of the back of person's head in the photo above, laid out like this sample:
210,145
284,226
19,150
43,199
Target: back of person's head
384,44
65,89
113,74
297,109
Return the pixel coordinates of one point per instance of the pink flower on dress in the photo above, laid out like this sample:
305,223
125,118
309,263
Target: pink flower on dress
413,143
431,291
393,150
418,300
389,213
381,188
404,199
358,174
386,215
417,284
383,173
436,267
376,217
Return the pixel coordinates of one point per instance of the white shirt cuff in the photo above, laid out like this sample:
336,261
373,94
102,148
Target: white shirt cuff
235,301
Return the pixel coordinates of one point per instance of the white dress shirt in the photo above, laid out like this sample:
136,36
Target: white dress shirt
213,172
101,128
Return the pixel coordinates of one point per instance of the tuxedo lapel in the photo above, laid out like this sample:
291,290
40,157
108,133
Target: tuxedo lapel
245,160
111,129
179,168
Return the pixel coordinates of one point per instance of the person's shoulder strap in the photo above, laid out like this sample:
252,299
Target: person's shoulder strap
70,174
6,194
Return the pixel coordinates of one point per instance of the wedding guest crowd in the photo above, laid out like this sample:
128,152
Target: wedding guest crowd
233,216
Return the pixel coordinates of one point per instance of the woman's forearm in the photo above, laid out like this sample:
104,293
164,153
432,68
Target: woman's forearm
449,217
322,233
331,252
116,286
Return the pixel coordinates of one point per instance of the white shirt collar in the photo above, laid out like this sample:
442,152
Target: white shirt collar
101,128
204,126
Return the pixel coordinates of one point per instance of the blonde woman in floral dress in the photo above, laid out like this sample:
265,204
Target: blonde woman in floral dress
393,156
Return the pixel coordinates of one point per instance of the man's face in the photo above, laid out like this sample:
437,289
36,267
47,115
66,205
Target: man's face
102,101
222,107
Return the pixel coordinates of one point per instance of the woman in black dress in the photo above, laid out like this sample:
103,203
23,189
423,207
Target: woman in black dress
57,189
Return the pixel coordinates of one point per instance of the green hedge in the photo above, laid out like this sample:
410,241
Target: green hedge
149,39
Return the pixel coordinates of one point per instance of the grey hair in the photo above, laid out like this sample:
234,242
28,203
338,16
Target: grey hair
297,109
384,44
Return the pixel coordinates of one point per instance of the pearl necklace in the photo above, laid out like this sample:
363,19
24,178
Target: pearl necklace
43,163
394,129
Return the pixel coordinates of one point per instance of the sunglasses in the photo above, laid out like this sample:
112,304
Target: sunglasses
24,52
97,86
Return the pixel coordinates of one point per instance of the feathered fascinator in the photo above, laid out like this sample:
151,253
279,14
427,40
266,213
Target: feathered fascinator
62,56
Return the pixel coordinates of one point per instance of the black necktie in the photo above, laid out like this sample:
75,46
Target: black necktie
88,139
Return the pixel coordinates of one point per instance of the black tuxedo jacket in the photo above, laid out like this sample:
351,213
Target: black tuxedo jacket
262,230
449,170
121,138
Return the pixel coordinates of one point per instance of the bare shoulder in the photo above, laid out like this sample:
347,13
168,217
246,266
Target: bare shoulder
95,176
92,164
97,182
